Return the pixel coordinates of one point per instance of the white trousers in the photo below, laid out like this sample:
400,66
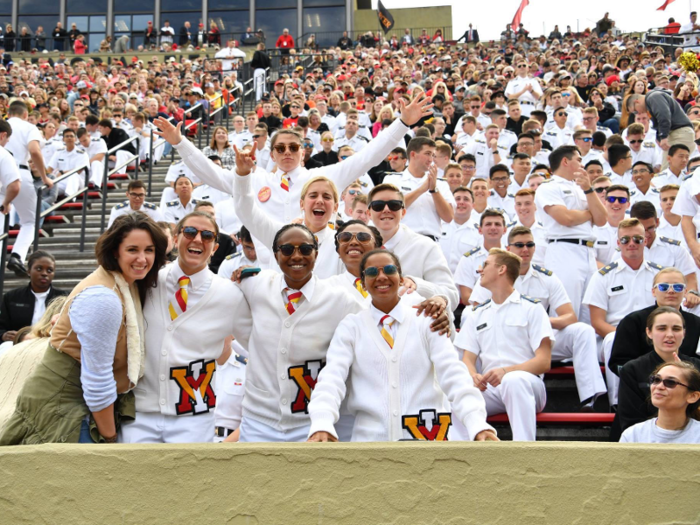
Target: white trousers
604,353
97,171
578,341
154,427
574,265
25,206
122,157
522,396
259,81
253,431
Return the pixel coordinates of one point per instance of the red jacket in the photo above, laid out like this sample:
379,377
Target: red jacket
285,41
79,47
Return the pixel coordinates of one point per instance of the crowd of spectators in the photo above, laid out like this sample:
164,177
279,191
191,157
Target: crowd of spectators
539,190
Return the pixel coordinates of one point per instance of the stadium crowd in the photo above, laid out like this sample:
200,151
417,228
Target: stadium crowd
395,242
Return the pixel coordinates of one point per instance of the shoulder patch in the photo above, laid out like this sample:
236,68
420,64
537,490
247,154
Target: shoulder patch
233,256
654,190
655,266
122,205
670,241
173,203
80,150
241,359
531,299
540,269
363,138
150,206
472,252
510,225
474,308
510,195
195,201
607,269
687,177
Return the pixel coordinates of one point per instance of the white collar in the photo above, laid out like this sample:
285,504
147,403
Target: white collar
398,313
196,279
307,290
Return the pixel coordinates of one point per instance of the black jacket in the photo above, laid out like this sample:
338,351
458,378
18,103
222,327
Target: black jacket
631,337
272,123
226,247
326,159
634,405
17,307
116,137
184,37
260,60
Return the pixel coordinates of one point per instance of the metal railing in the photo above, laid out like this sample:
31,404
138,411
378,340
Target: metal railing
669,41
43,214
327,39
107,173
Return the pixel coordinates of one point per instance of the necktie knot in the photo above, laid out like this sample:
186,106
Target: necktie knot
178,306
184,281
284,184
293,297
386,322
360,288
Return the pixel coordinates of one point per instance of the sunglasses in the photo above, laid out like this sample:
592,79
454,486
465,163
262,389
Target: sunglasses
327,140
668,383
304,249
256,136
561,114
521,245
622,200
586,139
638,239
636,141
394,205
282,148
190,232
565,94
373,271
664,287
601,189
362,237
354,192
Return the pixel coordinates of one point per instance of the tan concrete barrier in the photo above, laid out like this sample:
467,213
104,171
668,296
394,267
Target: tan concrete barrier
397,483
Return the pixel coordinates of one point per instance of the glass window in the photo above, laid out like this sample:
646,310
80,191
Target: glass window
140,22
273,21
86,6
315,3
5,6
229,4
31,7
274,4
177,20
317,18
98,23
48,22
230,23
94,41
181,5
134,6
81,23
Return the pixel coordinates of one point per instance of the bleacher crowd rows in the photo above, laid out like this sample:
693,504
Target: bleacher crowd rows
397,242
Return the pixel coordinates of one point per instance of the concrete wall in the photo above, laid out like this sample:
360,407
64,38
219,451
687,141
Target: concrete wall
367,484
414,18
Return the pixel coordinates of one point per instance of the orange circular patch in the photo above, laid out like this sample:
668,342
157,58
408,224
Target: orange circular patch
264,194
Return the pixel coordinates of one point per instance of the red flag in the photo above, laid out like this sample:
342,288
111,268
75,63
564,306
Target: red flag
519,14
663,7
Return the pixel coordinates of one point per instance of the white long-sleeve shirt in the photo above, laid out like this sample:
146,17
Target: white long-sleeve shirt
392,391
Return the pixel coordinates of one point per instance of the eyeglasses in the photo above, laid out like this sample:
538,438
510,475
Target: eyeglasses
636,141
565,94
677,287
295,107
468,168
668,383
354,192
288,249
640,172
521,245
586,139
137,195
190,232
373,271
622,200
522,66
394,205
561,114
282,148
500,179
257,136
638,239
362,237
343,157
308,144
601,189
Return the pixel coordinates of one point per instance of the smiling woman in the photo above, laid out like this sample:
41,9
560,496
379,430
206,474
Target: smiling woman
83,389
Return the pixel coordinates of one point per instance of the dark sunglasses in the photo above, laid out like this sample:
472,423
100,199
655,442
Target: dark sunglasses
394,205
668,383
521,245
354,192
601,189
256,136
638,239
621,200
586,139
362,237
664,287
561,114
282,148
636,141
373,271
190,232
304,249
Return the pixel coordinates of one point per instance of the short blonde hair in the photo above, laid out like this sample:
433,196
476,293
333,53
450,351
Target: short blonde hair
320,178
509,260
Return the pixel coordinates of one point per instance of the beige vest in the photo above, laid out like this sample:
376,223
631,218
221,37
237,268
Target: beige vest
65,340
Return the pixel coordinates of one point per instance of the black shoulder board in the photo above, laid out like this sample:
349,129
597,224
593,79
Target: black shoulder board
531,299
540,269
362,137
195,201
606,269
122,205
655,266
670,241
480,305
241,359
150,206
233,256
472,252
173,203
510,225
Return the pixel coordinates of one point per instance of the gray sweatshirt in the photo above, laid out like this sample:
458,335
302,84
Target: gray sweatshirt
665,112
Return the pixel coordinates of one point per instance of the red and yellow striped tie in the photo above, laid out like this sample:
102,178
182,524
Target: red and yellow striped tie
285,182
180,302
292,299
386,322
360,288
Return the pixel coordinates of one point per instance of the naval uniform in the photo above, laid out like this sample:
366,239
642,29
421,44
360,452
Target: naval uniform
122,209
357,142
232,263
457,239
507,334
652,195
176,170
229,385
558,137
175,210
64,161
528,102
606,249
667,177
